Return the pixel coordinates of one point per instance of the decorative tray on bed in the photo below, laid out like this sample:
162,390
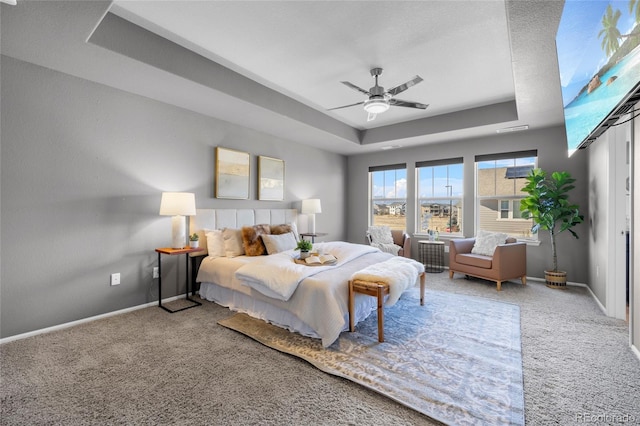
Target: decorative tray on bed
316,259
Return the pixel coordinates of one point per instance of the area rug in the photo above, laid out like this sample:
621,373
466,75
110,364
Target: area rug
457,359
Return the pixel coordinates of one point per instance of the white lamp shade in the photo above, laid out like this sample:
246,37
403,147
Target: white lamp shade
178,204
311,206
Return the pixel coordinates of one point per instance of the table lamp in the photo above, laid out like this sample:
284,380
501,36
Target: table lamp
178,205
311,207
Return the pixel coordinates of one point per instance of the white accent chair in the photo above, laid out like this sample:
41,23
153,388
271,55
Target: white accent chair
394,241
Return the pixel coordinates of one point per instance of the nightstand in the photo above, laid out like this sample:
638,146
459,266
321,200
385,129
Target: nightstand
313,236
175,252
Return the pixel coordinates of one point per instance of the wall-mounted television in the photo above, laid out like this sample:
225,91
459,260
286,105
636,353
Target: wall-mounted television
598,46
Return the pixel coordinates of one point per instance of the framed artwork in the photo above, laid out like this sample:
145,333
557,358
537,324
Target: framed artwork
232,174
270,178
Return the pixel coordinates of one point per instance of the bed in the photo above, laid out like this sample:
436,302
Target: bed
317,306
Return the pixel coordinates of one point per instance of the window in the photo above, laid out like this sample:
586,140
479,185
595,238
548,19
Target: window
440,192
509,209
499,182
388,196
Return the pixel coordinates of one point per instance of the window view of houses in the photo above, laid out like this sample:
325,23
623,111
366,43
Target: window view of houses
499,184
499,190
392,215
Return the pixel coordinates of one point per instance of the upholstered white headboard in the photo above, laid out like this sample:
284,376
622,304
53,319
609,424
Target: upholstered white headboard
237,218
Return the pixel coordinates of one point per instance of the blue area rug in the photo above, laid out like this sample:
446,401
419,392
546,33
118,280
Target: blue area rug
457,359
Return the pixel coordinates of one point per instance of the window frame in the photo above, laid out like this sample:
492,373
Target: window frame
478,199
372,200
458,161
511,210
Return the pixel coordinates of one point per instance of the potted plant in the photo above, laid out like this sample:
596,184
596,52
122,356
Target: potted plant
549,206
305,247
193,240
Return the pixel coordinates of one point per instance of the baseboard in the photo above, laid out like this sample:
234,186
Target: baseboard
635,351
85,320
600,305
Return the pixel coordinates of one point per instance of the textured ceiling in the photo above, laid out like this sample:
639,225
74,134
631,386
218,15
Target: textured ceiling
304,49
277,66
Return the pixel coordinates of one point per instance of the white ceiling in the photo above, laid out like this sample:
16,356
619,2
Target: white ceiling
304,49
282,62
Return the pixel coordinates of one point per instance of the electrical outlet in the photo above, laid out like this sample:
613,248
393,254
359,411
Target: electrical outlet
156,273
115,278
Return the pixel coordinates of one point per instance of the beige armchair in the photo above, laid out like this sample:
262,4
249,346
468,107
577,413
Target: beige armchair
401,239
509,261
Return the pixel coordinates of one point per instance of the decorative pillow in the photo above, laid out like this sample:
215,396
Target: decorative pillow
486,242
380,234
232,242
280,229
279,242
215,242
285,228
251,241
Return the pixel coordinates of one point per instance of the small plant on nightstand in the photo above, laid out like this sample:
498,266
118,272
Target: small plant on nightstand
193,240
305,247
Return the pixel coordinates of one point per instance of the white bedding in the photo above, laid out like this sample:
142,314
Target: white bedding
278,275
320,301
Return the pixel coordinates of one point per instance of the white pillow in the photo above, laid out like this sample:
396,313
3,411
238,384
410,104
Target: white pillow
278,243
380,234
232,242
215,242
294,229
486,242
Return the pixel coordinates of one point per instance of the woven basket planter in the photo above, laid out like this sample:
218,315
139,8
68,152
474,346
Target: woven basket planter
557,280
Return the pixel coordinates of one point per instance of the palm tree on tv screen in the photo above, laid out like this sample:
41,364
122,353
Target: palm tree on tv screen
635,4
609,32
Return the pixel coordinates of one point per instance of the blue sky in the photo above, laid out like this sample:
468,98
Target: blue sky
579,53
393,183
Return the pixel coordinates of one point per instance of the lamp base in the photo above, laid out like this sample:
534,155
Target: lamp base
312,224
178,232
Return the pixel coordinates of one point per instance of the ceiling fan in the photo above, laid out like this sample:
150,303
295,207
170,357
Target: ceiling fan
380,100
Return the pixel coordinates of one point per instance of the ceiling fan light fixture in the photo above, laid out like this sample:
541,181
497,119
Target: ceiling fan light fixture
376,106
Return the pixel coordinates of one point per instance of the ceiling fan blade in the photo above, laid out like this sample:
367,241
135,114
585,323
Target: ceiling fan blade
371,116
401,88
346,106
408,104
354,87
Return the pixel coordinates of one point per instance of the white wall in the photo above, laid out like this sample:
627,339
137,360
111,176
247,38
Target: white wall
83,167
635,242
609,169
599,199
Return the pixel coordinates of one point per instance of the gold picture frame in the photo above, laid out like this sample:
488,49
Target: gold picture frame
232,174
270,178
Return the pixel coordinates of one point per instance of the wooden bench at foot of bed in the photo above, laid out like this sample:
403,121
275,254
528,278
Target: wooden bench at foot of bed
375,289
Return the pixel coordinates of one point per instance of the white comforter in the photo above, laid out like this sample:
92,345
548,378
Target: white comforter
320,301
278,276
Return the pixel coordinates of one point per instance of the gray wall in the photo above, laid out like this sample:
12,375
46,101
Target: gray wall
552,156
83,167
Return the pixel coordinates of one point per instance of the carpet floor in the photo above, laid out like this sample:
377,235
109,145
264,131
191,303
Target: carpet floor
151,367
456,359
